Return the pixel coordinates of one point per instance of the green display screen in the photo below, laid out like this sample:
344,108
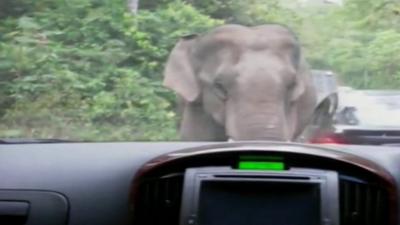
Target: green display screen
254,165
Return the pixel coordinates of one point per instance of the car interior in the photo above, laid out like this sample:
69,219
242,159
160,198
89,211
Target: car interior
199,112
198,183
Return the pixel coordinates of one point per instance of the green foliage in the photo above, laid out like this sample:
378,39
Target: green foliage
90,70
250,12
359,41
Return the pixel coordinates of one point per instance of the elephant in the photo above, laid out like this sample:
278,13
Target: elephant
241,83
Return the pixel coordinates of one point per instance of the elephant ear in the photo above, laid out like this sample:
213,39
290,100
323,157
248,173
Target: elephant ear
178,74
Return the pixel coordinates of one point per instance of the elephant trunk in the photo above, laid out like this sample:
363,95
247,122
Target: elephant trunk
260,123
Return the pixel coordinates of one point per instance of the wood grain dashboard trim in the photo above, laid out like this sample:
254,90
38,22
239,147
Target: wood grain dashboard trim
330,152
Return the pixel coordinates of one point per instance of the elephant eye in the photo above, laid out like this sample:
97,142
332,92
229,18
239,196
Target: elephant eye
220,90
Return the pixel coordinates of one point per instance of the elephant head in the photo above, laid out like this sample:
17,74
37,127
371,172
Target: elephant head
243,83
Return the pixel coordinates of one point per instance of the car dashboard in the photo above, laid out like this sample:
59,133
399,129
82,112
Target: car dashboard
189,183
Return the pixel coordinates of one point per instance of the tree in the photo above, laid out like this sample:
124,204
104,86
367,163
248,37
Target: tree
133,6
91,70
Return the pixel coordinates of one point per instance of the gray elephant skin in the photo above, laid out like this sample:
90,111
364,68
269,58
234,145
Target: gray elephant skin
241,83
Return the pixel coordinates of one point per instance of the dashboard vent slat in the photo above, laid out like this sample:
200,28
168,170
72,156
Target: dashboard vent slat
159,201
362,203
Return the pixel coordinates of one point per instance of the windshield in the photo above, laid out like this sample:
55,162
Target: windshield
165,70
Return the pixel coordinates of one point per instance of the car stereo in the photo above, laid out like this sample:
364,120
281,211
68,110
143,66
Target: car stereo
226,196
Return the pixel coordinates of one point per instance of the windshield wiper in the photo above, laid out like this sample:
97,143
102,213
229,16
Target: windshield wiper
33,141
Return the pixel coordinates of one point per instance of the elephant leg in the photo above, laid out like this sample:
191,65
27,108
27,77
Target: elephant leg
197,125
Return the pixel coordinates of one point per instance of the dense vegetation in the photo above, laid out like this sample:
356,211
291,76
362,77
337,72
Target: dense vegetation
92,70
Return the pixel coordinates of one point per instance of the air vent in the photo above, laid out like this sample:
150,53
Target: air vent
159,201
362,203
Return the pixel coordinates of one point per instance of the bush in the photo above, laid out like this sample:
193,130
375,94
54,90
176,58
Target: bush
91,73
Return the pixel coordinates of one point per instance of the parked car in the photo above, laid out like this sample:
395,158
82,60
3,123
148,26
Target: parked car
366,117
